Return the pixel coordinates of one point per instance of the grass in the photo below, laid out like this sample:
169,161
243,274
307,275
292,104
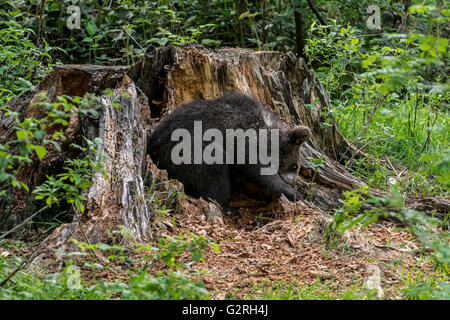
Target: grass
420,285
318,290
140,271
413,134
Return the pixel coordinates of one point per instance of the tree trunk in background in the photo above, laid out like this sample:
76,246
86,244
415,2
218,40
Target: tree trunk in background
299,33
241,6
119,197
160,82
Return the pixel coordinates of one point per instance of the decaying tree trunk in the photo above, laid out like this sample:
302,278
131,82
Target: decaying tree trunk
117,197
172,76
160,82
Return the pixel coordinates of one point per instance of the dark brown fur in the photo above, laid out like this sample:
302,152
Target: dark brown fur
232,111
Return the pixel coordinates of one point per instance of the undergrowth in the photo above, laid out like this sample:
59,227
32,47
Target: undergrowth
429,231
141,271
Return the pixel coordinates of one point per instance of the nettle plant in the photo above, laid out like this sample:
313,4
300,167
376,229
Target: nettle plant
160,270
335,52
31,138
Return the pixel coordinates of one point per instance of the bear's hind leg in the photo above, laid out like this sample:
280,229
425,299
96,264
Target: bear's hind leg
217,187
211,182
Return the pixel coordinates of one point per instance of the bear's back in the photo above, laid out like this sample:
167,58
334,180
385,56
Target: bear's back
231,111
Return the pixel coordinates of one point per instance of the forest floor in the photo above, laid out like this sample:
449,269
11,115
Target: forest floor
282,243
271,250
291,248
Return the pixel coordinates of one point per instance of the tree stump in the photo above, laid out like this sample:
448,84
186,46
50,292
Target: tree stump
118,197
161,81
172,76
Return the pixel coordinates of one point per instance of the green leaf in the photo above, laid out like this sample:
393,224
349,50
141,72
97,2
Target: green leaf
79,206
370,60
85,184
91,28
22,134
196,255
39,134
40,151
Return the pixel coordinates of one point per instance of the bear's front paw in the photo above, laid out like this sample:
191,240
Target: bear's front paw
293,195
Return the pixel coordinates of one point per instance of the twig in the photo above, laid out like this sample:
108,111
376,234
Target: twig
24,221
328,261
231,270
23,265
392,167
369,120
416,106
316,12
429,133
132,38
356,153
366,126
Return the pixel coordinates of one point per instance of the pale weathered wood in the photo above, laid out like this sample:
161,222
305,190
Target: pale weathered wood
117,198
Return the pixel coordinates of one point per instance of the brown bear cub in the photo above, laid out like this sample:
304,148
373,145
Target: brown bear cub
205,143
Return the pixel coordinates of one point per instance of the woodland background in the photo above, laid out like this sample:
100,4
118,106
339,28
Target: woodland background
389,96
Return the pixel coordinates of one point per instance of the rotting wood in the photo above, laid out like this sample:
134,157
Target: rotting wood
118,198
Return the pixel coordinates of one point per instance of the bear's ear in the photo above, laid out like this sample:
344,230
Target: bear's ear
299,134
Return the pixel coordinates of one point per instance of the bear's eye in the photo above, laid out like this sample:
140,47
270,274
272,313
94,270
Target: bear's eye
294,167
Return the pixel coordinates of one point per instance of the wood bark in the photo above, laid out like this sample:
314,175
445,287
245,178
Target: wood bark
163,80
299,33
118,197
